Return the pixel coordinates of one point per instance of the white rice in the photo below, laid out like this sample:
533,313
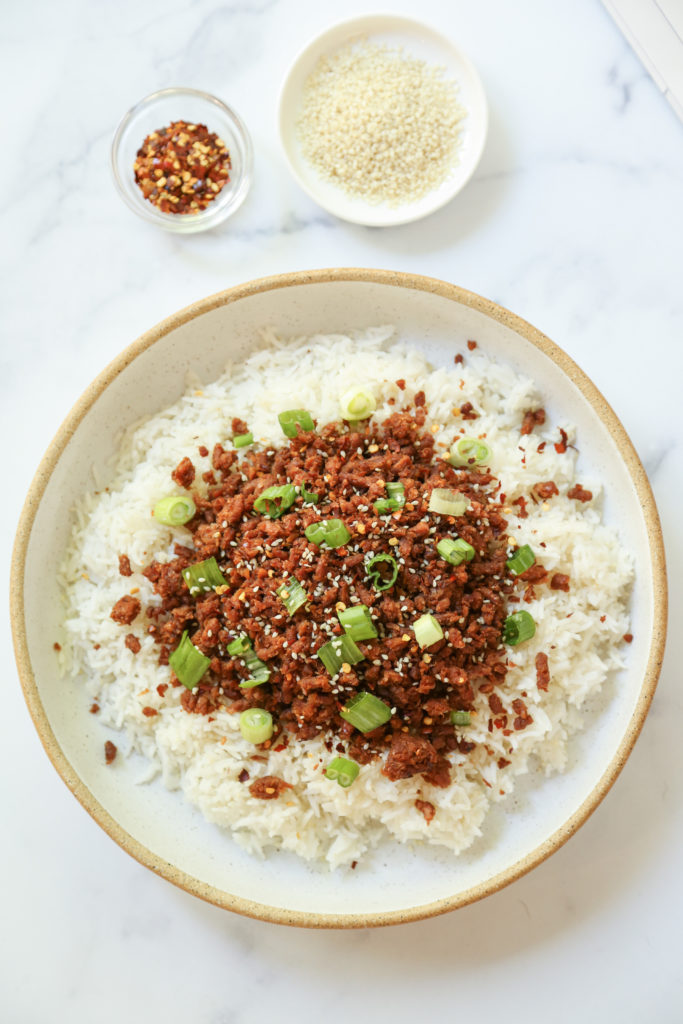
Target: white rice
318,819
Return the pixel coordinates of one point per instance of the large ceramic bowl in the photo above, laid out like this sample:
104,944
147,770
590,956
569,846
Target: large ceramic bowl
156,826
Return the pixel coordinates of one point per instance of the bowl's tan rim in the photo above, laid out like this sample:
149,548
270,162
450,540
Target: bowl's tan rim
88,398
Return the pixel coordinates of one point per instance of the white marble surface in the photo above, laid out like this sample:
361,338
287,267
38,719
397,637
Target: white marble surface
575,221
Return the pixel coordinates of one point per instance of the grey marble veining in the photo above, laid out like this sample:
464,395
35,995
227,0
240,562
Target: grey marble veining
574,220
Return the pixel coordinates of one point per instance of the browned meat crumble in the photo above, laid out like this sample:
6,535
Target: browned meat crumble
125,610
348,467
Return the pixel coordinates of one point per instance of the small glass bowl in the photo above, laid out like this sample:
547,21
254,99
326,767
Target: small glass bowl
158,110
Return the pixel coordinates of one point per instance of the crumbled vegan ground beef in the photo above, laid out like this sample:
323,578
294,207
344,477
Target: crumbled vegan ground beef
348,467
268,787
125,610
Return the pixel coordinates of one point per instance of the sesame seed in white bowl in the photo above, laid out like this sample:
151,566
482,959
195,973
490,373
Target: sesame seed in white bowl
382,120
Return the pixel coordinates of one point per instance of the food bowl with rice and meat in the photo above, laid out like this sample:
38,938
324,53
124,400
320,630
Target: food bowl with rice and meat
353,601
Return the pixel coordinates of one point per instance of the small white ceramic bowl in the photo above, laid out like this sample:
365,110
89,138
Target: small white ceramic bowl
395,883
419,41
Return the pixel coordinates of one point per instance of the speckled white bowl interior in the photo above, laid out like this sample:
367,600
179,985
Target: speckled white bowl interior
395,883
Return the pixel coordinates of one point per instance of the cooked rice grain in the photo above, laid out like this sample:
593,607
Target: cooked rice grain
318,819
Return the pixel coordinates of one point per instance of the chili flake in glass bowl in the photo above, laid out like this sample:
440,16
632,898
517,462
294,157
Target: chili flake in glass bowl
200,146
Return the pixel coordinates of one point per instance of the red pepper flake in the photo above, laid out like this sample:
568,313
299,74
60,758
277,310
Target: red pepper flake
471,345
182,168
243,775
56,646
458,358
94,708
109,752
628,638
467,412
354,864
149,712
561,445
203,451
602,618
521,501
503,763
162,688
401,384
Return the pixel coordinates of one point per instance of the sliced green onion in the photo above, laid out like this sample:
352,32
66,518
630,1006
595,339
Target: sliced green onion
383,506
292,594
340,651
202,577
461,718
393,502
427,630
342,770
188,663
241,647
357,622
517,628
237,647
256,725
175,510
293,418
309,497
366,712
332,532
242,440
469,451
259,671
275,500
522,560
357,404
447,502
455,551
375,576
